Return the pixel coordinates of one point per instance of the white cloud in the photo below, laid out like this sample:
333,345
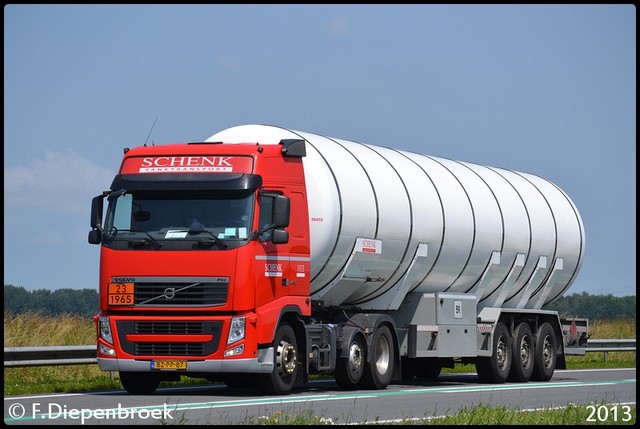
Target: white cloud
60,181
339,27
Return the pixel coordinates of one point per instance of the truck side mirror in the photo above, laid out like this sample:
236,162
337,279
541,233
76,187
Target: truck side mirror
95,235
280,215
281,211
96,212
279,236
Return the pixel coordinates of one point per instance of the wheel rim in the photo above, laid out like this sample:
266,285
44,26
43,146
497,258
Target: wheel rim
383,355
547,352
502,353
525,352
286,358
355,358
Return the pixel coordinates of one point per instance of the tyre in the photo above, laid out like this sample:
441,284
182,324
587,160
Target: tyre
523,354
495,369
285,369
139,383
349,370
545,353
378,371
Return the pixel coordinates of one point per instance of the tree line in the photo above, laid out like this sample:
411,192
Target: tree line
594,307
18,300
85,302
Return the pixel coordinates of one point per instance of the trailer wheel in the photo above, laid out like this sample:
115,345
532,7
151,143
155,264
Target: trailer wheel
523,354
379,369
545,353
349,370
285,369
139,383
495,369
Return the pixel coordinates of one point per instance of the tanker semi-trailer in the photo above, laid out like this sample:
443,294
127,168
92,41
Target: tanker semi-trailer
264,255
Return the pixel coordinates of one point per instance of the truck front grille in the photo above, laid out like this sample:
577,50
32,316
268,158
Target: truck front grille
181,294
165,345
169,327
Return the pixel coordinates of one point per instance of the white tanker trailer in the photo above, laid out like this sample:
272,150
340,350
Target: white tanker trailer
264,255
458,258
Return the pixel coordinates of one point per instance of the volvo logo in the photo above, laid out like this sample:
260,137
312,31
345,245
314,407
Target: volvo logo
169,293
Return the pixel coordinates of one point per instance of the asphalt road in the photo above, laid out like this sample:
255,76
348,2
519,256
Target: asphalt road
219,405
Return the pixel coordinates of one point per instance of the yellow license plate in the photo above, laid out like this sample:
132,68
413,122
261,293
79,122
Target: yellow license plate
168,364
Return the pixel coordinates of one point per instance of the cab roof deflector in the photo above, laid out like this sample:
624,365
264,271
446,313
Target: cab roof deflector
293,147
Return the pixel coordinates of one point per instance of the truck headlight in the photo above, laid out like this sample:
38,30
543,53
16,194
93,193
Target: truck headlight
105,329
237,330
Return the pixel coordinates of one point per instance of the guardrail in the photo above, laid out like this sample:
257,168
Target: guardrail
81,355
50,355
613,345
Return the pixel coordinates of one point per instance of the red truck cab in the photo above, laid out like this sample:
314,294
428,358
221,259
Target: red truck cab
203,249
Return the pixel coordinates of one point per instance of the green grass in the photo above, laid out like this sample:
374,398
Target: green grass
477,415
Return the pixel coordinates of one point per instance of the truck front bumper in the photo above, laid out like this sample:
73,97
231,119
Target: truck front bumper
263,363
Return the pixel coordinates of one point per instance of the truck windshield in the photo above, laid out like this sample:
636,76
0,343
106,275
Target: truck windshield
202,220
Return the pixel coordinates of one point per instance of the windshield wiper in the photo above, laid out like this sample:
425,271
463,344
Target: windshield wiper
149,240
215,240
196,228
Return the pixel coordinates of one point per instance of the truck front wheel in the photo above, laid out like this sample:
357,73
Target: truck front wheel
139,383
285,369
379,369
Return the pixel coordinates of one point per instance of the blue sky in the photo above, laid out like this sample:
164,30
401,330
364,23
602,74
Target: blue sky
542,89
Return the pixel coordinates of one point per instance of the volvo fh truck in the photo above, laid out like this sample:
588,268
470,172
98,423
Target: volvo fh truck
263,255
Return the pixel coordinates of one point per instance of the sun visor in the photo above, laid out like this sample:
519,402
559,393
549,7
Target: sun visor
187,182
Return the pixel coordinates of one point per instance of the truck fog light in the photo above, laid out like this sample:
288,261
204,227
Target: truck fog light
105,329
236,332
107,350
234,351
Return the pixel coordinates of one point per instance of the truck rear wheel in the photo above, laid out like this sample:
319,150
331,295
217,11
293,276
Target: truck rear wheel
379,369
139,383
495,369
545,353
349,370
523,354
285,369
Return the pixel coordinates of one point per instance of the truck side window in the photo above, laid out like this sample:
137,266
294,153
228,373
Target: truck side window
123,217
266,211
